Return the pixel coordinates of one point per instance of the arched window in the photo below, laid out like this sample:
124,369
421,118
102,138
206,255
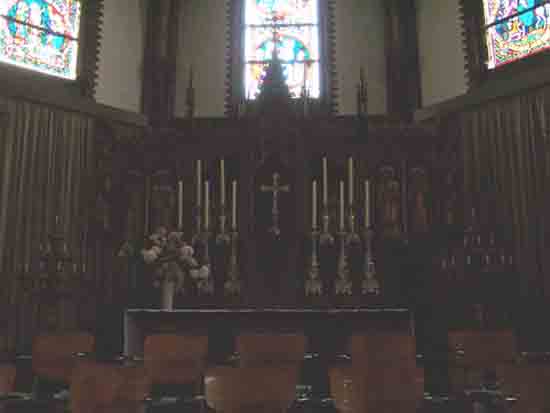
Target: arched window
292,28
41,35
515,29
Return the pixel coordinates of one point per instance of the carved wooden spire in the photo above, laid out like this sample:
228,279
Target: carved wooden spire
273,86
362,97
190,98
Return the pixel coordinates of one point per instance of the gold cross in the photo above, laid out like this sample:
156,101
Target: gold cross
275,189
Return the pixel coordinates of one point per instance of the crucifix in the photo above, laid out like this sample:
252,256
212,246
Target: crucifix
275,188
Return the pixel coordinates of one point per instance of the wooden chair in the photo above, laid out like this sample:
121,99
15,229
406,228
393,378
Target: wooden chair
7,378
176,366
257,349
529,381
104,387
341,387
172,359
266,378
54,358
384,373
473,353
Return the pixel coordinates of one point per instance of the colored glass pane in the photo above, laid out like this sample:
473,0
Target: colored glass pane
294,75
259,12
41,35
292,27
515,29
294,43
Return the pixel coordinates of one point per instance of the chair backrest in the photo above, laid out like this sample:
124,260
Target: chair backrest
175,359
270,348
7,378
53,355
100,386
483,348
268,388
384,371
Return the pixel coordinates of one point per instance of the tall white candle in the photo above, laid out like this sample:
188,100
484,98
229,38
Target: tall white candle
234,206
314,205
199,183
325,183
350,177
180,204
222,181
367,205
206,205
342,206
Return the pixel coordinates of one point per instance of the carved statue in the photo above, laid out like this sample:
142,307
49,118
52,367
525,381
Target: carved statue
390,203
418,201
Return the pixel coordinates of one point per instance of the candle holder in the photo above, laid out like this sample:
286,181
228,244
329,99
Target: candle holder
314,286
370,284
223,237
205,285
352,236
325,237
198,220
53,261
232,287
343,285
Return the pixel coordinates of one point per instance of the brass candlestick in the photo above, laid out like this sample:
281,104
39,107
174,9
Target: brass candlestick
198,222
223,236
232,286
205,286
352,236
370,284
314,285
343,285
325,237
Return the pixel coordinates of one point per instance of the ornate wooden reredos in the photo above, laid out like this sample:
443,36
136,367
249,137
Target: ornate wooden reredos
274,151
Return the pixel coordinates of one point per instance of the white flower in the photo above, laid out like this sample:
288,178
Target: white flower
190,261
204,272
175,236
187,251
149,256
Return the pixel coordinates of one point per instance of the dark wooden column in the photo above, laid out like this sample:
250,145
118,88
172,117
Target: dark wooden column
159,75
403,75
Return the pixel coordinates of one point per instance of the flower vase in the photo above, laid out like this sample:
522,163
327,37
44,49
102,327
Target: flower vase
167,299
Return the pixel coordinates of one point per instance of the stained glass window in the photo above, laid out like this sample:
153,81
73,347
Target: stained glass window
290,26
41,35
515,29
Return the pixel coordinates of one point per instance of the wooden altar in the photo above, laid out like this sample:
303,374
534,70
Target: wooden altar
328,330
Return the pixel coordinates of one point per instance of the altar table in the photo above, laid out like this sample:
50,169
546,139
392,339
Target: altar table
328,330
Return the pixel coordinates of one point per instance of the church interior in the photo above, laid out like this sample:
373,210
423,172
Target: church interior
274,206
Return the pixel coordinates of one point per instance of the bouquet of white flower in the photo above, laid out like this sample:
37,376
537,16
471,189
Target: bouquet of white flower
173,259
